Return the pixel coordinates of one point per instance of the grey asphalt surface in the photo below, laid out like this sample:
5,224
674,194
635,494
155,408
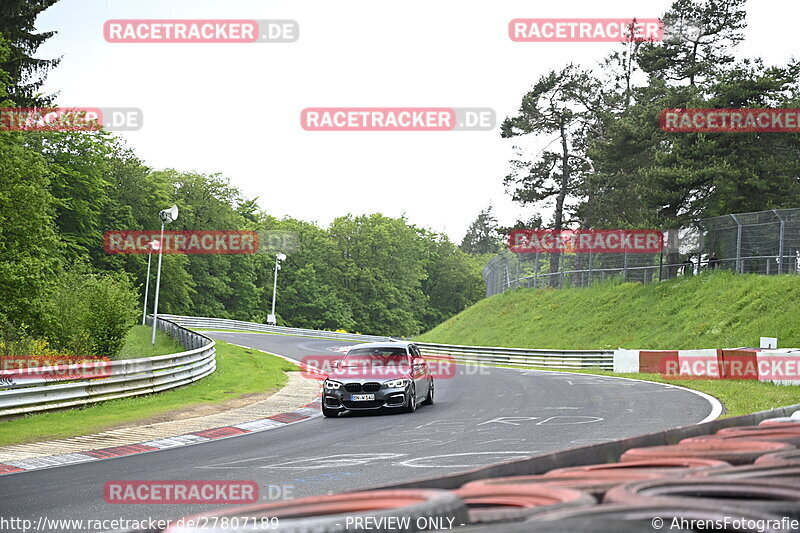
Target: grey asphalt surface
482,415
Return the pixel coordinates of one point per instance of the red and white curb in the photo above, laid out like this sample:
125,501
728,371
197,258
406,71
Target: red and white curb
307,412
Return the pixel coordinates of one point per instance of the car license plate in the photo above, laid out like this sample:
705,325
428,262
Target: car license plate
362,397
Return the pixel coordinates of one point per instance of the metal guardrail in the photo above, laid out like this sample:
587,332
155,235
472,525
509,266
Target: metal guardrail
224,323
120,379
521,357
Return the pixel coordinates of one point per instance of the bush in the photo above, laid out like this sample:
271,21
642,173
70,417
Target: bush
89,314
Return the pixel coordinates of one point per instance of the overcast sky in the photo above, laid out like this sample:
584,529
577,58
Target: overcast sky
235,108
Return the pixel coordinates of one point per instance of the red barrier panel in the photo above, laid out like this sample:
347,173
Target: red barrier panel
657,362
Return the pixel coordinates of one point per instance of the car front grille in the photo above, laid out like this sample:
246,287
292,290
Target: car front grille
366,387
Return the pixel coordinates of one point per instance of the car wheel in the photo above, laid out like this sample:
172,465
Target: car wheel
429,399
330,413
411,404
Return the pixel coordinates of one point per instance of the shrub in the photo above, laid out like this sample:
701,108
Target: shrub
89,314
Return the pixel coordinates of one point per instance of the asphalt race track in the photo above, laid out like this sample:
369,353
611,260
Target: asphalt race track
481,415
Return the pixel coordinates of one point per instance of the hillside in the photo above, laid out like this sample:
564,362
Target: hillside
713,310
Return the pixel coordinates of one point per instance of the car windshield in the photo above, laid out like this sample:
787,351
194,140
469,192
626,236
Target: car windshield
376,356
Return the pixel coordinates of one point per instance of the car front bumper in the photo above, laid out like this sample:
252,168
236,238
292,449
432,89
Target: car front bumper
384,398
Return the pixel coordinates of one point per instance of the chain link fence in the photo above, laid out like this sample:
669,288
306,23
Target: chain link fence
765,242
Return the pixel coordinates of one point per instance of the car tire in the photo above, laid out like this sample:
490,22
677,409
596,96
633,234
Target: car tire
411,404
429,399
330,413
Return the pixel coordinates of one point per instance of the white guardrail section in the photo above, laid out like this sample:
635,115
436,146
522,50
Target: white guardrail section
521,357
120,379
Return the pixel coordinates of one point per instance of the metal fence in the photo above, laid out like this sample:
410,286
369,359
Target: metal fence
764,242
120,379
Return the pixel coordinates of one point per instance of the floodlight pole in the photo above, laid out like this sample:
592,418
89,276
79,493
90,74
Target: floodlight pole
278,258
158,285
147,284
166,216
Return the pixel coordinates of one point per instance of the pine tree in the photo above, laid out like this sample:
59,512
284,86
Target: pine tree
17,27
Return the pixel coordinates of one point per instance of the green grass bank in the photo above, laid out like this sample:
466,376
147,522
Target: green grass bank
712,310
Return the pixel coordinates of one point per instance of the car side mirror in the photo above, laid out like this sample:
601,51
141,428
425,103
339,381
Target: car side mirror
418,361
336,364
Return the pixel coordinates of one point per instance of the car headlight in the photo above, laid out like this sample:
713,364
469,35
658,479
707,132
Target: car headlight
395,383
332,385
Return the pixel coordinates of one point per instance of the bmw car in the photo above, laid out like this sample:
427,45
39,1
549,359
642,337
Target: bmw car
378,376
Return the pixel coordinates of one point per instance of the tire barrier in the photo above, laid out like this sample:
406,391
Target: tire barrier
763,433
504,503
733,451
765,495
792,457
794,419
779,472
594,485
678,465
648,514
571,525
402,510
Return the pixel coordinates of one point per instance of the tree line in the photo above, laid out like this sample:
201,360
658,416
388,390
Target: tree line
60,191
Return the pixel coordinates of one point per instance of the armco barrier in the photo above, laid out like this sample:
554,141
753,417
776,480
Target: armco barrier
224,323
518,357
128,377
523,357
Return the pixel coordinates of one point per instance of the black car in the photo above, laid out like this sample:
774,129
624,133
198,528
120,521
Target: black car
376,376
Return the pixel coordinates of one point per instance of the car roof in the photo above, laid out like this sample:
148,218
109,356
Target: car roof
392,344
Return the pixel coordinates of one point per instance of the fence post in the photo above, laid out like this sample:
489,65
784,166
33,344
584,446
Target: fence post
590,269
780,242
625,266
738,244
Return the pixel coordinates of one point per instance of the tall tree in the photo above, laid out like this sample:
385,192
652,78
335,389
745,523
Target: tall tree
699,40
561,103
482,236
28,73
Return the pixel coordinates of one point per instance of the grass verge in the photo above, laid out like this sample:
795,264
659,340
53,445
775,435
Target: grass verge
240,371
137,344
